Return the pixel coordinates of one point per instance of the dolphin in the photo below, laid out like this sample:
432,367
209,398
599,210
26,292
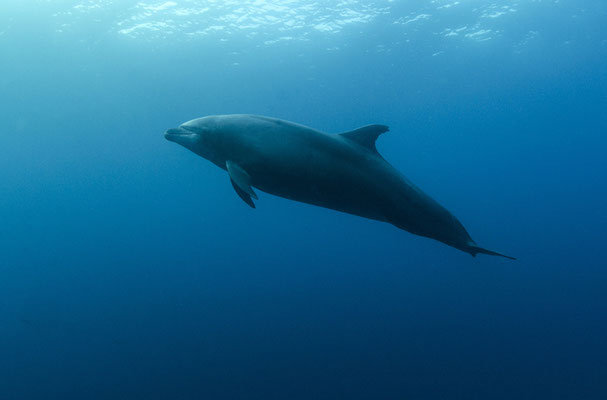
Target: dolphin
343,172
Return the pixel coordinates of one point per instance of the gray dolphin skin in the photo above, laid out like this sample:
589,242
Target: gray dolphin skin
343,172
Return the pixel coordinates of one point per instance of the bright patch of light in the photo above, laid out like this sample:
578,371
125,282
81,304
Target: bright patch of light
280,22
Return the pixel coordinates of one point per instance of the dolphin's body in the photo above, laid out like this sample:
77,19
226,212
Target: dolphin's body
343,172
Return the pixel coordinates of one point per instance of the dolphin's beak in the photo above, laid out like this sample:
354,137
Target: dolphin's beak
170,133
180,135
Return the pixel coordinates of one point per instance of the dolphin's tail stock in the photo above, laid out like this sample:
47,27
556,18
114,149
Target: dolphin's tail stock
474,250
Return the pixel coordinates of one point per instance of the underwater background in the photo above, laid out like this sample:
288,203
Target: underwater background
130,269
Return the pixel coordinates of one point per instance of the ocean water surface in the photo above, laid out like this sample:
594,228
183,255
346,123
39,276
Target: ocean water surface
130,269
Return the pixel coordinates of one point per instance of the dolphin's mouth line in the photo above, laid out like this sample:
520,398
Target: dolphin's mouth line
182,135
189,129
177,132
182,130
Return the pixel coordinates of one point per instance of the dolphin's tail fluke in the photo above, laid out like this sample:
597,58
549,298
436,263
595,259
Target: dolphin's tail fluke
474,250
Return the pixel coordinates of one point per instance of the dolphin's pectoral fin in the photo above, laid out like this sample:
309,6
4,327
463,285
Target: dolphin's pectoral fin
243,195
241,182
366,136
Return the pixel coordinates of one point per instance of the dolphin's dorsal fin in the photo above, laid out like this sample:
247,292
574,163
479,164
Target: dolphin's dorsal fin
241,181
366,135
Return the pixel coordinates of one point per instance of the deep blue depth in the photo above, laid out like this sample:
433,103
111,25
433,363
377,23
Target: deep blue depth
130,269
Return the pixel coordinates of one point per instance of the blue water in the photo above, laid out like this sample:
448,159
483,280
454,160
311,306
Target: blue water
129,268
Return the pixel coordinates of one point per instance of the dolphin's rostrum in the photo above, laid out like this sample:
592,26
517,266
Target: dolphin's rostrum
342,172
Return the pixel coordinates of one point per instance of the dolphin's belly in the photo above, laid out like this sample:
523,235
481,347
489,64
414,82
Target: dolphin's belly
337,196
354,188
